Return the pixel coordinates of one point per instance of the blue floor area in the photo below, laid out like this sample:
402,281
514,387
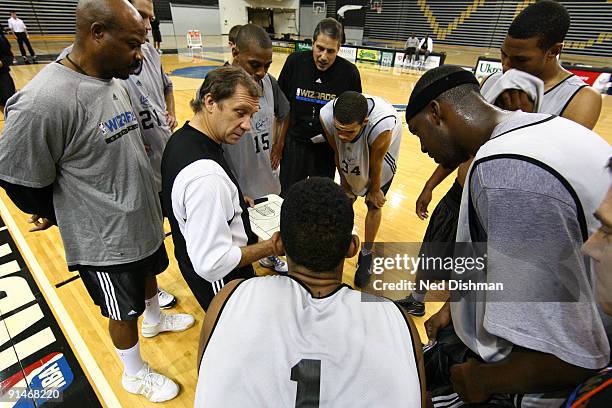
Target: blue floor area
193,72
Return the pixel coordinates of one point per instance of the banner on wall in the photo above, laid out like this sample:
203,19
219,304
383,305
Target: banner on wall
485,67
348,53
386,59
365,54
600,81
303,46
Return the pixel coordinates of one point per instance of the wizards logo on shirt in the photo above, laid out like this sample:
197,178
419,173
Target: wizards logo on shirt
261,124
144,101
118,126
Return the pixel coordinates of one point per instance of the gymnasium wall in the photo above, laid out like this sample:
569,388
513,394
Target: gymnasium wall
484,23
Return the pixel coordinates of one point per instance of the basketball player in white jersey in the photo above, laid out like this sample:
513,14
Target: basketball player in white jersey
532,47
307,339
365,134
250,159
152,99
531,206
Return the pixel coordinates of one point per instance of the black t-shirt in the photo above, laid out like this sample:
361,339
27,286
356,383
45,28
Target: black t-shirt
6,56
309,89
155,26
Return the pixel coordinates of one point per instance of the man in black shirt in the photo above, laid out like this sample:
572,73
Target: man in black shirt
310,80
7,86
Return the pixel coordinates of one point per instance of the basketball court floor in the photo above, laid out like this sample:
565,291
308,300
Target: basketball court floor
45,311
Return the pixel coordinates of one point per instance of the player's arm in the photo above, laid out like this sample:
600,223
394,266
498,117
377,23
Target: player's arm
169,99
438,176
212,316
281,126
332,143
378,149
522,372
281,123
418,352
584,108
31,200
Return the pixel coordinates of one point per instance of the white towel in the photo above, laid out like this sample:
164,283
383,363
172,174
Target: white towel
515,79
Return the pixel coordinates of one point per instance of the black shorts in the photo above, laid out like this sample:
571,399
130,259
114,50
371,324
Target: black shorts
7,87
157,36
119,290
384,189
410,51
303,159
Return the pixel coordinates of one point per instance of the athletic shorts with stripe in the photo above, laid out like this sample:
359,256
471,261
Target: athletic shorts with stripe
119,290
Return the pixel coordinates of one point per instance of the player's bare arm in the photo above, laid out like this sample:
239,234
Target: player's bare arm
584,108
378,149
332,143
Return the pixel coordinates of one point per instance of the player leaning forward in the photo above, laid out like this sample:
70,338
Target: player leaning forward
365,133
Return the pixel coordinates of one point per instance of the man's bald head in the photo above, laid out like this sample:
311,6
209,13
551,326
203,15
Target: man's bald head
109,37
111,14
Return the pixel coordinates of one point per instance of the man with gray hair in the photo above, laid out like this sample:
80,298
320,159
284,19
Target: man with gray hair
213,241
72,152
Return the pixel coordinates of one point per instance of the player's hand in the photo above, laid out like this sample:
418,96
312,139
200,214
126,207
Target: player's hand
276,155
438,321
467,381
147,148
376,197
171,120
249,201
40,223
422,203
515,99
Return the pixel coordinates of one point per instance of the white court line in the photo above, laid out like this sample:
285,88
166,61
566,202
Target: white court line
104,389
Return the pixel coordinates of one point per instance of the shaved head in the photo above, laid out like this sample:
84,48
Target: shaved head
251,34
109,35
110,13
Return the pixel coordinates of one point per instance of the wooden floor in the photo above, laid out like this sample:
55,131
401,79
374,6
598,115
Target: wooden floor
175,354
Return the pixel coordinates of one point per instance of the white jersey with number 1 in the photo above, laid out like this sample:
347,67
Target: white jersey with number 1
276,345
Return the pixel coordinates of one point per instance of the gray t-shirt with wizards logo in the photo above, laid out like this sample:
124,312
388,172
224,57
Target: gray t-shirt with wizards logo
80,134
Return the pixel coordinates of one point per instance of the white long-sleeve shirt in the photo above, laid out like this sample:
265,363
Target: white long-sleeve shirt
206,205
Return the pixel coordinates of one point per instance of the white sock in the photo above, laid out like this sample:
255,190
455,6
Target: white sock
152,312
132,362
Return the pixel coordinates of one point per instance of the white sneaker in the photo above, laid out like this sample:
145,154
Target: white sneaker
274,262
166,299
176,322
156,387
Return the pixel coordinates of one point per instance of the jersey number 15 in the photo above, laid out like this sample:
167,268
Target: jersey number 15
265,142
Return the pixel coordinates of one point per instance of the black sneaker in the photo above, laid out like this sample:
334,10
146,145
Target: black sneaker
364,270
412,306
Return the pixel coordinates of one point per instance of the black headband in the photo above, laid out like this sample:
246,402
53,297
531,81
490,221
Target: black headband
419,101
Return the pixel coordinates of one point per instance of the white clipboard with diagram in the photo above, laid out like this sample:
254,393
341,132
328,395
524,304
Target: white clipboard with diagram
265,216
